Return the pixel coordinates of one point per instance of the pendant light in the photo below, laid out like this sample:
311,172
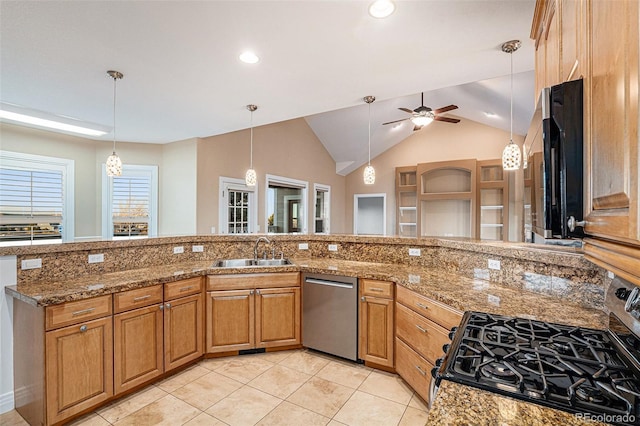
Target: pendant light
251,177
511,156
369,171
114,164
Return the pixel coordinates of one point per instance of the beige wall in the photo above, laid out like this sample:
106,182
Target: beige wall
437,142
177,204
289,149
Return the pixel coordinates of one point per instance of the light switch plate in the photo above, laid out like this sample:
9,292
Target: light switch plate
96,258
494,264
197,249
333,247
31,264
494,300
414,252
178,250
414,279
303,246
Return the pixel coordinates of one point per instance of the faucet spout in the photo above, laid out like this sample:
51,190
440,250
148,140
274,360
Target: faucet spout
255,248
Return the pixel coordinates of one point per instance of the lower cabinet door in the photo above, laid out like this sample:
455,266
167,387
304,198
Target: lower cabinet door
277,317
230,320
182,331
79,368
414,369
138,347
376,330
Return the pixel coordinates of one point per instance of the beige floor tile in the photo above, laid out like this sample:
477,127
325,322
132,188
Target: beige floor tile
246,406
387,385
414,417
279,381
168,410
276,356
202,393
12,418
305,362
321,396
363,409
287,414
335,423
344,374
180,379
214,363
91,419
244,368
417,402
125,406
203,419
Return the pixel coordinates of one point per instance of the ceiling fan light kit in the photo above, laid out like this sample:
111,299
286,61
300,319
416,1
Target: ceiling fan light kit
381,8
511,156
114,164
369,172
424,115
251,177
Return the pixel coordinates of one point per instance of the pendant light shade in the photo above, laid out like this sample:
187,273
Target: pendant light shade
114,164
251,177
369,171
511,155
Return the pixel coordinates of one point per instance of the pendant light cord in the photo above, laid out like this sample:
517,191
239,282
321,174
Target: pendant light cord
511,135
369,133
251,155
114,114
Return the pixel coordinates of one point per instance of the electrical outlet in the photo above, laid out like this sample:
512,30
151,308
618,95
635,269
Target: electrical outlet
213,229
494,300
414,252
178,250
197,249
31,264
494,264
414,279
333,247
303,246
96,258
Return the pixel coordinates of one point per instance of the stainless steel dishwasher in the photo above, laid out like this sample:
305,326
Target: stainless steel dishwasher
330,314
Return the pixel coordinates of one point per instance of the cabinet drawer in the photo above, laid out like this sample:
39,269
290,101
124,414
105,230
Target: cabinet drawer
182,288
413,368
376,288
251,281
426,337
137,298
76,312
437,312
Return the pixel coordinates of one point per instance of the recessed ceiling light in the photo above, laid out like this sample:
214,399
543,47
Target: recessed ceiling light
381,8
249,57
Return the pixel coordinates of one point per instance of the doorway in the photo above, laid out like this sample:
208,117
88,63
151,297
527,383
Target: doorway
369,214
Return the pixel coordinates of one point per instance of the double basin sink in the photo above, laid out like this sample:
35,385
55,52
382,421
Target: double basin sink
243,263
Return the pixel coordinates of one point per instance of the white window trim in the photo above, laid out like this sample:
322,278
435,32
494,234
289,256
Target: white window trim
107,198
293,183
356,197
24,161
324,188
223,211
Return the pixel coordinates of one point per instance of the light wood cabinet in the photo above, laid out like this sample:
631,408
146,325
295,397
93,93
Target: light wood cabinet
406,202
183,335
376,322
493,201
252,311
79,368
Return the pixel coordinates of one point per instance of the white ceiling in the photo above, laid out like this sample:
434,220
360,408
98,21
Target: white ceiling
183,78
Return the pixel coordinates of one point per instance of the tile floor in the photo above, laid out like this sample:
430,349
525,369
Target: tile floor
279,388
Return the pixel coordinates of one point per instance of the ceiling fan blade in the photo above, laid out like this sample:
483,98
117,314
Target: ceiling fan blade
416,128
397,121
446,119
406,110
445,109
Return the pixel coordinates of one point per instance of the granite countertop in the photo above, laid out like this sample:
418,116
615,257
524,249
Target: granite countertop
455,404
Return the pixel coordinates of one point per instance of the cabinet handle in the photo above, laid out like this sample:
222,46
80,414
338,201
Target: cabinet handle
377,289
187,288
168,305
420,328
83,328
424,373
82,312
421,305
139,298
364,299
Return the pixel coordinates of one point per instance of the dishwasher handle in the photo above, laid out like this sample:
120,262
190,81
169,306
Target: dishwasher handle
328,283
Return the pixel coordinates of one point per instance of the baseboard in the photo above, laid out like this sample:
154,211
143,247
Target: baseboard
6,402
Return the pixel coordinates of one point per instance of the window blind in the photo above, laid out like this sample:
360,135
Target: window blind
31,204
131,205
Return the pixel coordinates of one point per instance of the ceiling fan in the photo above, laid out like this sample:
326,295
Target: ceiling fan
424,115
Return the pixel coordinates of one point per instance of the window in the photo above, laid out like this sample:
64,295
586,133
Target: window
321,208
130,203
238,212
36,199
286,205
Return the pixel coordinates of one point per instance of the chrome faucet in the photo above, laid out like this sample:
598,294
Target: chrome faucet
255,248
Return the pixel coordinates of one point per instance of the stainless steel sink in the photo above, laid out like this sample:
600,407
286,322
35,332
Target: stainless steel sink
243,263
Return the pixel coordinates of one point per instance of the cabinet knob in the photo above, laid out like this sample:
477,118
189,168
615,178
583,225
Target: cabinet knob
168,305
257,291
364,299
161,307
83,328
251,292
572,223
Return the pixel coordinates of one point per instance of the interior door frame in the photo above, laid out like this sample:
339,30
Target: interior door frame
357,197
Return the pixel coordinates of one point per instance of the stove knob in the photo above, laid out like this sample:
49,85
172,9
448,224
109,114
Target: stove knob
622,293
452,333
434,373
445,348
439,362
